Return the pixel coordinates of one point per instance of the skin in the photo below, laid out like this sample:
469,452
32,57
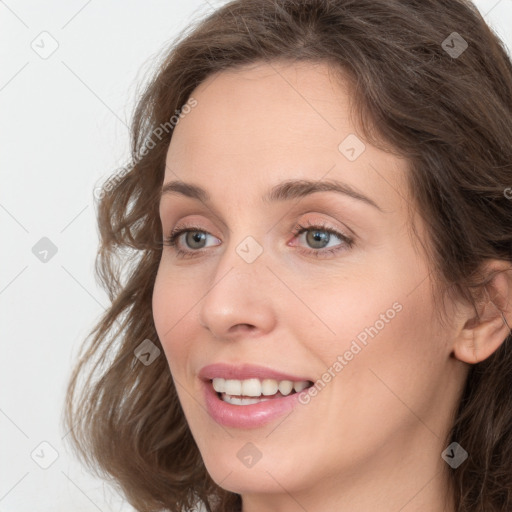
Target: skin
372,437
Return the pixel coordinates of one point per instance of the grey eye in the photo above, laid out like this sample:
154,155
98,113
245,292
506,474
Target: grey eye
318,239
195,237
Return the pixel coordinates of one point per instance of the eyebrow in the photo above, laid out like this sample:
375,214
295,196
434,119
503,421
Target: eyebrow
285,191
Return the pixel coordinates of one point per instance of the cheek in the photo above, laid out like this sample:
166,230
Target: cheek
375,336
343,312
172,304
394,374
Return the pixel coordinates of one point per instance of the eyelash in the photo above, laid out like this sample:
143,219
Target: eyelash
171,240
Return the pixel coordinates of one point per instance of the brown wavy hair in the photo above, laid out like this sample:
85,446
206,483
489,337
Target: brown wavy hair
449,116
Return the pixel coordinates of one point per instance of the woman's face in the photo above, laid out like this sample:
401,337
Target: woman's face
346,304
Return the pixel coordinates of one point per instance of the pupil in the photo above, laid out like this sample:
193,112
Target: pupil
318,239
195,236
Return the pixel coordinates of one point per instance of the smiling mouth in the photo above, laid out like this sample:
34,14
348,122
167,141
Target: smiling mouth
254,391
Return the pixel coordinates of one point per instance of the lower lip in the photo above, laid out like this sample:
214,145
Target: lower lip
247,416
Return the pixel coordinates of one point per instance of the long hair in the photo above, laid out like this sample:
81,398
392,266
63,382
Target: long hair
441,100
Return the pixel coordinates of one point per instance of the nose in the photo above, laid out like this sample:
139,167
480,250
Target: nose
239,301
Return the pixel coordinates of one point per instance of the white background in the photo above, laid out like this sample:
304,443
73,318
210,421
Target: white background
64,128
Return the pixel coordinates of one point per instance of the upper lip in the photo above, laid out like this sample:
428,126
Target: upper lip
245,371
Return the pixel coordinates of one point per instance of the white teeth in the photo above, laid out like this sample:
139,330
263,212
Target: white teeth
269,387
234,400
286,387
251,387
233,387
256,387
218,384
299,386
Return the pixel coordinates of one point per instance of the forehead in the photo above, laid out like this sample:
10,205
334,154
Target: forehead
265,123
266,106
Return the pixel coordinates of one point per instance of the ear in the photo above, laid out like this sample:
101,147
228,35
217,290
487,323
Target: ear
481,337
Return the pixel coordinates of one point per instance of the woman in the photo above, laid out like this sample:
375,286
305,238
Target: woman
315,312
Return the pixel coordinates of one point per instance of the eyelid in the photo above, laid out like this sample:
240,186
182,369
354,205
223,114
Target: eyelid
310,225
179,230
321,225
